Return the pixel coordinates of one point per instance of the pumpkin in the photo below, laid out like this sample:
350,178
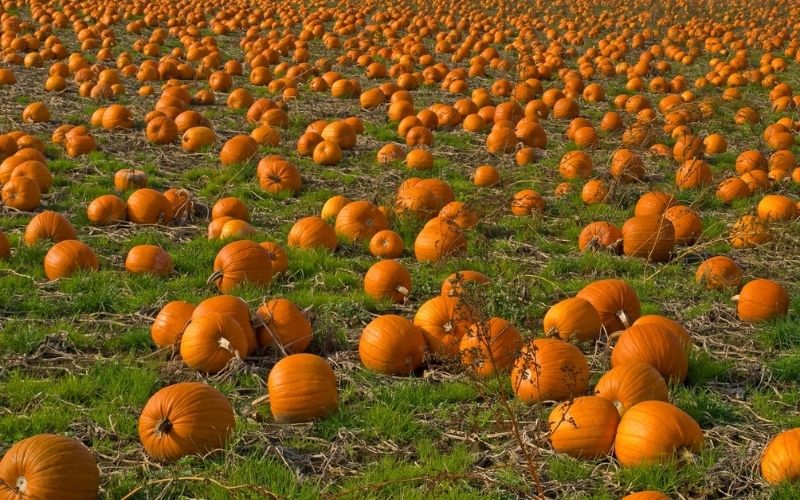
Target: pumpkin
117,116
671,325
419,159
600,235
302,388
584,427
341,133
230,207
312,232
459,213
771,207
277,256
653,432
490,347
181,202
234,307
388,279
359,221
161,130
49,225
129,178
150,259
573,318
188,418
106,209
68,256
148,206
453,285
438,239
780,461
49,466
79,145
719,272
485,175
36,171
654,203
243,261
280,324
501,140
575,165
197,138
416,201
526,202
278,176
386,244
170,322
333,206
238,149
211,341
692,174
732,188
631,383
649,237
762,300
549,369
750,160
654,344
443,321
391,345
749,231
21,193
389,153
327,153
626,166
615,301
688,147
35,112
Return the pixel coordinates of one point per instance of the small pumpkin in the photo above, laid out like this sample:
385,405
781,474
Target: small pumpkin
762,300
188,418
149,259
388,279
386,244
68,256
600,235
526,202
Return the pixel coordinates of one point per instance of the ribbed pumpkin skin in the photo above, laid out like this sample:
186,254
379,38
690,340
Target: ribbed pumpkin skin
148,206
229,305
653,203
611,298
170,323
584,427
388,279
242,261
453,285
148,259
655,345
277,256
496,335
780,461
49,466
67,257
49,225
719,272
210,341
279,323
386,244
673,326
302,387
106,209
443,321
600,235
549,369
649,237
439,238
631,383
312,232
201,420
230,207
762,300
652,431
359,221
573,318
392,345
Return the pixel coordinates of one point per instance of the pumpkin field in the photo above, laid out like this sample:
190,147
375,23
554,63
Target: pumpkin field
433,249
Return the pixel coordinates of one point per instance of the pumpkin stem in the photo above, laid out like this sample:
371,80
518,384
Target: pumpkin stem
163,427
552,332
224,343
735,298
624,318
214,277
403,290
260,401
448,327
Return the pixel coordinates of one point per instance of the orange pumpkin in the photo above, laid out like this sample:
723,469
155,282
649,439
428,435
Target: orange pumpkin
549,369
391,345
301,387
631,383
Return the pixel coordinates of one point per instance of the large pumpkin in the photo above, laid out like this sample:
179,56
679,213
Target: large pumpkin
280,324
615,301
51,226
653,432
392,345
359,221
761,300
302,387
584,427
649,237
631,383
780,461
67,257
49,466
148,259
573,318
490,347
388,279
188,418
238,262
549,369
653,344
439,238
443,321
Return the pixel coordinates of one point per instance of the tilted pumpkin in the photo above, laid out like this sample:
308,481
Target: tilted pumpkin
68,256
150,259
490,347
631,383
279,323
573,318
243,261
438,239
49,225
549,369
211,341
388,279
312,232
615,301
234,307
584,427
761,300
443,322
653,344
391,345
649,237
170,322
188,418
780,461
106,209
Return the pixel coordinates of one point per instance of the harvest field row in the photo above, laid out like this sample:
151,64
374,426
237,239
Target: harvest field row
446,249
